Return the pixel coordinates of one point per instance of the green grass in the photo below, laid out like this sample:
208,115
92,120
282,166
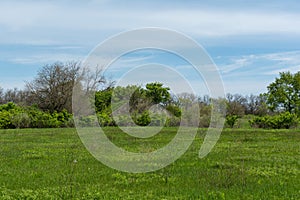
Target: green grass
245,164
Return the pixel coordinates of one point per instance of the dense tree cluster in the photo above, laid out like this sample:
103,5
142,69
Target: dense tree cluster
47,102
141,101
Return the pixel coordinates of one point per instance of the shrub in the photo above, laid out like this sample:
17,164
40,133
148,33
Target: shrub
173,121
5,119
174,110
142,119
87,121
14,116
283,120
21,120
7,112
105,119
231,120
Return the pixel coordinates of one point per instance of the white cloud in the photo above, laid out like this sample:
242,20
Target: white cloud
231,22
45,58
246,87
268,64
61,21
252,73
292,69
235,64
167,75
13,82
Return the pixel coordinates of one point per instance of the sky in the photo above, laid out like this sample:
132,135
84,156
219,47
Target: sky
249,41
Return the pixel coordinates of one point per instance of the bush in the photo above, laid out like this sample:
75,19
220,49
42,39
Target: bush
173,121
284,120
5,119
7,112
14,116
21,120
142,119
105,119
231,120
204,121
174,110
87,121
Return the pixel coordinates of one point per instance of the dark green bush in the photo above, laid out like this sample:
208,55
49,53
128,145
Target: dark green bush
142,119
174,110
283,120
105,119
7,113
5,119
14,116
231,120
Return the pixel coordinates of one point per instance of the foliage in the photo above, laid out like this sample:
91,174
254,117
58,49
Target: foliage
172,121
141,119
103,100
141,102
13,116
105,119
174,110
49,96
7,111
283,120
5,121
231,120
157,93
283,93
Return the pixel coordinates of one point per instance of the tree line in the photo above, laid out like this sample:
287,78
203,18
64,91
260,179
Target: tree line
47,102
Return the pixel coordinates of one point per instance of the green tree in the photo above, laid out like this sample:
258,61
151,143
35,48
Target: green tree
157,93
140,100
284,93
103,100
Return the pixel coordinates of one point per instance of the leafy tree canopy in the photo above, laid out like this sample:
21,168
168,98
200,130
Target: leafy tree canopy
157,93
284,93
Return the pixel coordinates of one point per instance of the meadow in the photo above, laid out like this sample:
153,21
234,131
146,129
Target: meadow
244,164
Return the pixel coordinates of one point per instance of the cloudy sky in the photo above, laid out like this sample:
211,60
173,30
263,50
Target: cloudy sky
250,41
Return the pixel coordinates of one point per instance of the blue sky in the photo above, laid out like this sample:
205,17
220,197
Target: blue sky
250,41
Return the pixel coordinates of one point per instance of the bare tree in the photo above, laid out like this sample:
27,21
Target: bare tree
15,95
52,88
92,78
236,104
256,105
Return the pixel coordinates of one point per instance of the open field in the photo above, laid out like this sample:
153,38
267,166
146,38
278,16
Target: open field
245,164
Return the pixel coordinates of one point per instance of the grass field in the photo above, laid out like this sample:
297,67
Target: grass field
245,164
